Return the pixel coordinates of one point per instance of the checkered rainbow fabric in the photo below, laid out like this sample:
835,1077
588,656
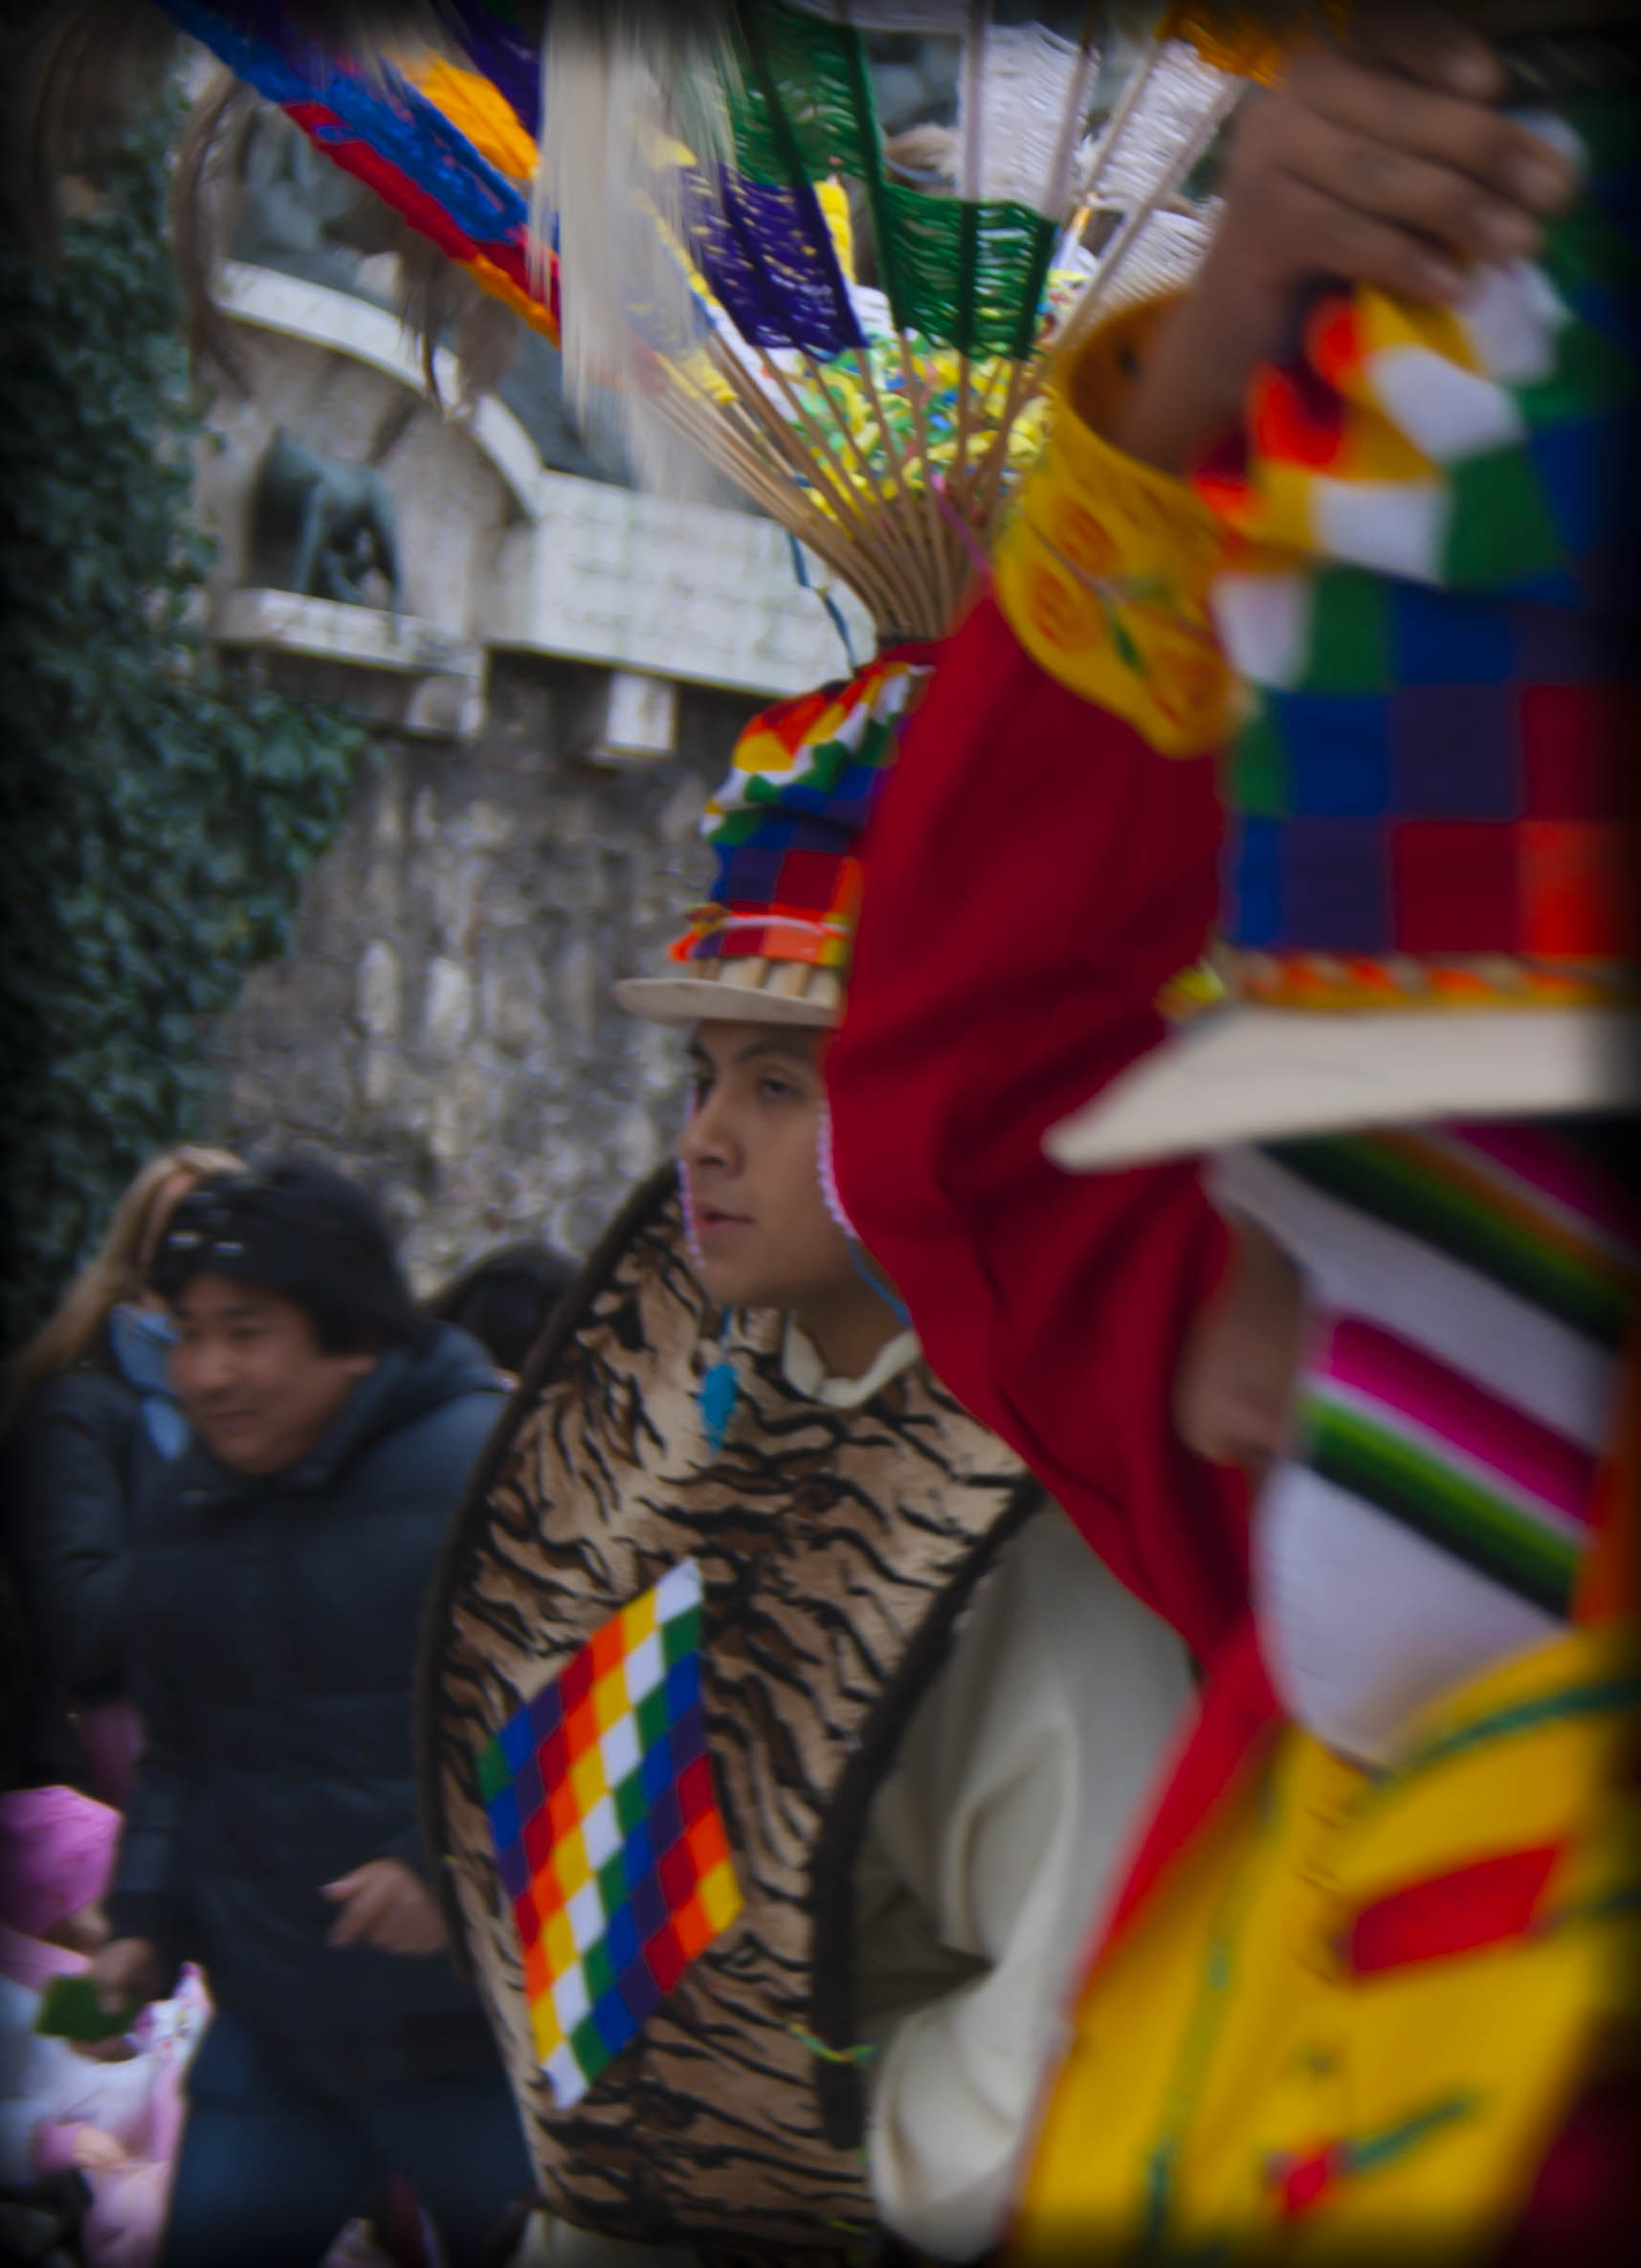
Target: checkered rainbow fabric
1433,576
607,1835
804,780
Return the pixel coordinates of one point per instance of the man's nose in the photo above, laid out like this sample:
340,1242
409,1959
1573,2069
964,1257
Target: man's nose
709,1136
207,1369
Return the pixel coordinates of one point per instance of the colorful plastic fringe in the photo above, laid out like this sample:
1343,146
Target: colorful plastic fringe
959,272
434,152
502,53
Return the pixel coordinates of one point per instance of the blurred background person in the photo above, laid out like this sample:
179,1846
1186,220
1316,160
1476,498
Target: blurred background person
89,1420
88,2130
503,1299
273,1831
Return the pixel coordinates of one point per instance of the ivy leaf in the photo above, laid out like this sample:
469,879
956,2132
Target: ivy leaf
159,813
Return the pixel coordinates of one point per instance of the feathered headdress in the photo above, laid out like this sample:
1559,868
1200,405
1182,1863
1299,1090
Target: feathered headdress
701,206
857,346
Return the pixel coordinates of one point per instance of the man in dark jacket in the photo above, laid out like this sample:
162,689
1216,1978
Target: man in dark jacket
277,1586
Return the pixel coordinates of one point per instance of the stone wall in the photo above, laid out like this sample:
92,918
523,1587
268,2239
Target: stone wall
442,1024
452,506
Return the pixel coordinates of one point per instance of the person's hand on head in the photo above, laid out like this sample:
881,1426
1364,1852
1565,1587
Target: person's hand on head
385,1904
1385,162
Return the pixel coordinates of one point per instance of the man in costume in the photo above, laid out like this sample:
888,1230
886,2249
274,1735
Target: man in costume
1370,1980
835,1902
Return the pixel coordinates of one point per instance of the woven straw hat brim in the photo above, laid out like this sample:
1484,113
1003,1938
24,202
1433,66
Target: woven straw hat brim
748,997
1238,1075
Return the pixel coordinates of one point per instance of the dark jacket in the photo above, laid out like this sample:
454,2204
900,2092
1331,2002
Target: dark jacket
73,1464
275,1630
68,1483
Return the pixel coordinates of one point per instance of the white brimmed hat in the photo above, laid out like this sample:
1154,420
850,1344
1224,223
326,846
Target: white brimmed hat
750,990
1242,1073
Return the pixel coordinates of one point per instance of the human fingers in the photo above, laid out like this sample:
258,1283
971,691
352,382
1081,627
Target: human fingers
1497,152
1426,43
1304,232
1436,203
360,1915
412,1923
1474,139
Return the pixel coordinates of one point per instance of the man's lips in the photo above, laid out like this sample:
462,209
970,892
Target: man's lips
710,1218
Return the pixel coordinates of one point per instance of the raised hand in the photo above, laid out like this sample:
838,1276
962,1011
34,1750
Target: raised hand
1388,163
385,1904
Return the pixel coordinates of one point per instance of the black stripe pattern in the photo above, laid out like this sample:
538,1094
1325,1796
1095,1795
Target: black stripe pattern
838,1549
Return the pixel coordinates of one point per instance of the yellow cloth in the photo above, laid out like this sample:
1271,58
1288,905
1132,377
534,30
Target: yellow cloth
1225,2038
1104,569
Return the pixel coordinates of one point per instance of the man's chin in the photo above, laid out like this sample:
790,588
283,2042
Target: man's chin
728,1286
239,1451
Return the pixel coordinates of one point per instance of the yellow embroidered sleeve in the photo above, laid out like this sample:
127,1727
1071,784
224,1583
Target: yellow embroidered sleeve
1104,569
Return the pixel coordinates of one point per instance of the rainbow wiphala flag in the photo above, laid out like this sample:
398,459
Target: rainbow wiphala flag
608,1833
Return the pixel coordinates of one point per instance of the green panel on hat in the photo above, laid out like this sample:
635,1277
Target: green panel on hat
1500,525
1258,781
1349,635
1590,375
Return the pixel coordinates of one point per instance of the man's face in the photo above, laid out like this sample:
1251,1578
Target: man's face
750,1153
252,1380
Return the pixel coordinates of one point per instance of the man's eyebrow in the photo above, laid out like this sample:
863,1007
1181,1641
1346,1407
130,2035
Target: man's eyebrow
232,1308
793,1046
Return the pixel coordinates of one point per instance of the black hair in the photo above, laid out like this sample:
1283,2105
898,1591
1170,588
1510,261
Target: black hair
306,1231
504,1299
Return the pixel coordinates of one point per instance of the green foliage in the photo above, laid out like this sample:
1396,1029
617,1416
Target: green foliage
157,813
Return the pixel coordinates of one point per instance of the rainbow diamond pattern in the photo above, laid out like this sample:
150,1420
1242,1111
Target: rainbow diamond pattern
608,1834
1435,598
803,780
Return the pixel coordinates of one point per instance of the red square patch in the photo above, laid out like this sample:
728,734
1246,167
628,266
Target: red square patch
576,1683
537,1839
807,879
1580,752
664,1958
694,1788
563,1812
1579,890
1454,887
553,1759
677,1870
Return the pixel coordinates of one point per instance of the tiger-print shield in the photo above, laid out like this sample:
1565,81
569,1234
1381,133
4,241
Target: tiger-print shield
839,1548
